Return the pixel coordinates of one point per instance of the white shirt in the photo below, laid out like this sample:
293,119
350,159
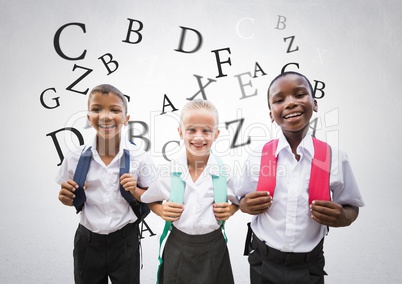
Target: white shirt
105,210
198,215
287,225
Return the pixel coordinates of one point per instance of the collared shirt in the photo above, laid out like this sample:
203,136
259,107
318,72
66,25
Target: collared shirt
198,216
105,210
287,224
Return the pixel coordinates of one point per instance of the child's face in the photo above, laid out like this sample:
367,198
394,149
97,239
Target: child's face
292,103
107,114
198,131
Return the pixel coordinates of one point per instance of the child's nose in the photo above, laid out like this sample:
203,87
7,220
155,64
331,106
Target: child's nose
291,102
105,115
199,136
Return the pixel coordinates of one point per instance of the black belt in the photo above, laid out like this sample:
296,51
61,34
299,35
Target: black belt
127,230
287,257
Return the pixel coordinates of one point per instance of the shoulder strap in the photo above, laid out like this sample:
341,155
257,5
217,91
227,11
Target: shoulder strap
177,187
320,170
141,210
220,186
125,168
319,188
80,176
267,178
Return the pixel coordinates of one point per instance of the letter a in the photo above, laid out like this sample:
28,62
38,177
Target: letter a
165,98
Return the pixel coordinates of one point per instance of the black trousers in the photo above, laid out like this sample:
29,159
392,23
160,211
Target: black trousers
271,266
99,257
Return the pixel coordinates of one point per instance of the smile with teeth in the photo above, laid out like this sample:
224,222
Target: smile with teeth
107,126
198,144
296,114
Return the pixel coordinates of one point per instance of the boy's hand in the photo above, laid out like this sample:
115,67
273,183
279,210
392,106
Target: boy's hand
66,194
332,214
256,202
129,183
171,211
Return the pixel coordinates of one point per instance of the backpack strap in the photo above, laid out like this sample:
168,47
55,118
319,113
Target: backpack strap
80,176
319,188
125,168
177,196
81,171
267,178
141,210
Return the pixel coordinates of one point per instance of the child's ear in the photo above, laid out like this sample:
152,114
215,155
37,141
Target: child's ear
272,118
315,106
216,134
180,132
89,119
127,120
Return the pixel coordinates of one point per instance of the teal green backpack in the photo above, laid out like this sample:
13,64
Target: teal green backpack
177,196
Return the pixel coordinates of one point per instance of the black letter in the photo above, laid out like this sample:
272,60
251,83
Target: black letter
56,42
69,88
201,87
56,143
169,104
286,65
241,120
116,64
183,36
143,230
290,45
316,89
258,70
55,99
130,29
219,63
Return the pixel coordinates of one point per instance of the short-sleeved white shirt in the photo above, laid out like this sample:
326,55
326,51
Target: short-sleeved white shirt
198,215
287,224
105,210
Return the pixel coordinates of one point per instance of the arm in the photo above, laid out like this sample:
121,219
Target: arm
332,214
256,202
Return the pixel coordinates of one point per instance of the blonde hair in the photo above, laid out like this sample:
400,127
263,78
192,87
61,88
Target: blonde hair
200,104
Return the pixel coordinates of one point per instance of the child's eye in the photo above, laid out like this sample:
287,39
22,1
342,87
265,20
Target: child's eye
300,95
277,101
190,129
116,110
95,110
207,131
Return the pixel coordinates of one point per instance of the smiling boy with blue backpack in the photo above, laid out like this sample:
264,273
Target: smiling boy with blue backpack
296,187
99,179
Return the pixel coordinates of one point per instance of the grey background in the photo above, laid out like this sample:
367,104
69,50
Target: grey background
354,47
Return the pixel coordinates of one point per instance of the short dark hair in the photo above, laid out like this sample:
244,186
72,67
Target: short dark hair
106,89
284,74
